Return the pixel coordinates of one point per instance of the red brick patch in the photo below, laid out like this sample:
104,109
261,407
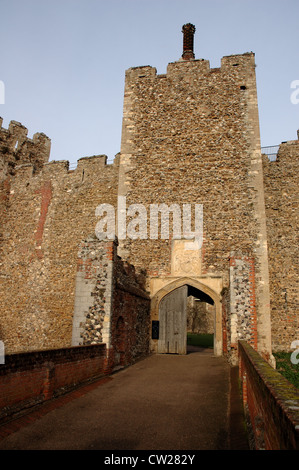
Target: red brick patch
39,411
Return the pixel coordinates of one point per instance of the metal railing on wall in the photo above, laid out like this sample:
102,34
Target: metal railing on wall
271,152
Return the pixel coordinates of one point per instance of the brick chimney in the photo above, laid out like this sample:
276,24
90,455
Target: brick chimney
188,30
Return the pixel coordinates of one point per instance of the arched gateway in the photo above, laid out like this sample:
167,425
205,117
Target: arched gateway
169,318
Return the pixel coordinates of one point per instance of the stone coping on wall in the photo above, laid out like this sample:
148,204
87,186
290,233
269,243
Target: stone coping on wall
28,379
24,359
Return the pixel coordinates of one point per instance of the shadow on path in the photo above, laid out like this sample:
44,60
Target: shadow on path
164,402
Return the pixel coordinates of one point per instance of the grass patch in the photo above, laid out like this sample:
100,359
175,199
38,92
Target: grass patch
286,368
200,340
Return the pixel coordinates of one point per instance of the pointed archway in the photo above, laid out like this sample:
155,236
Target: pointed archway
159,316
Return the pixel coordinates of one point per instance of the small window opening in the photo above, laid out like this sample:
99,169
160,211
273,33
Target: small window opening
243,87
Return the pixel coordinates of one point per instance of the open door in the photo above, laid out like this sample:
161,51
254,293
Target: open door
173,322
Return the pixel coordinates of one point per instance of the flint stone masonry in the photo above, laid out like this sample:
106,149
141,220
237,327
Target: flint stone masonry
16,147
48,214
192,136
242,301
111,305
281,199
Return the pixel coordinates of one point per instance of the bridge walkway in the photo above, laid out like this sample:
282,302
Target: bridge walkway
163,402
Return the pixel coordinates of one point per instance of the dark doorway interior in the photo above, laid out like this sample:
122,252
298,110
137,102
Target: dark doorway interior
184,311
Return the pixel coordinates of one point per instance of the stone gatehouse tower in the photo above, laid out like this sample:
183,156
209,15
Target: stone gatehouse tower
190,138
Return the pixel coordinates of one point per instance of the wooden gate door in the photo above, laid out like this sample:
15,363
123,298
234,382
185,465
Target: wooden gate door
173,322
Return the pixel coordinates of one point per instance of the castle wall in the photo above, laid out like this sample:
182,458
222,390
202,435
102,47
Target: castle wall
130,324
111,305
270,403
49,211
200,316
31,378
192,136
16,148
281,199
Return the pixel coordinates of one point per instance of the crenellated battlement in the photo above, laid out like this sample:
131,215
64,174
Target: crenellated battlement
16,148
26,158
236,63
16,135
86,166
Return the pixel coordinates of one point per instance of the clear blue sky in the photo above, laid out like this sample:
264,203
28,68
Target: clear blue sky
63,62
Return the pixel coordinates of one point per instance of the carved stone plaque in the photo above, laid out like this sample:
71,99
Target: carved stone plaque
185,262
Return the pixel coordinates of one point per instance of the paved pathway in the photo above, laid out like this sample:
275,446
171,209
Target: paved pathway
164,402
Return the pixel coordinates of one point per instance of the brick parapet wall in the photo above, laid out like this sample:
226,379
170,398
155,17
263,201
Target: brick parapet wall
29,379
270,401
131,312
